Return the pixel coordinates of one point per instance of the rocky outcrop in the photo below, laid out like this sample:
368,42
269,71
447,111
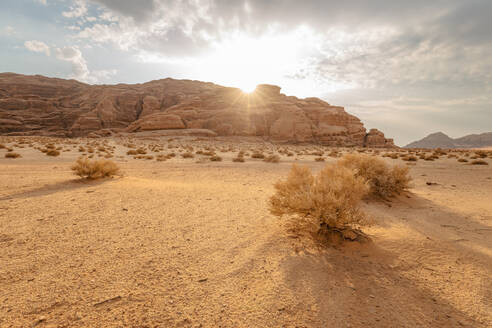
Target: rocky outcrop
46,106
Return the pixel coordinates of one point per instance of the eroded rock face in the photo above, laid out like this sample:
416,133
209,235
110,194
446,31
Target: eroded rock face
44,106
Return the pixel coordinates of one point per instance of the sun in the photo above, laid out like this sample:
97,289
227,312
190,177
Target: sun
244,61
248,88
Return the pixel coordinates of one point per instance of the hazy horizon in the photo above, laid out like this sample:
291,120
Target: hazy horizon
408,69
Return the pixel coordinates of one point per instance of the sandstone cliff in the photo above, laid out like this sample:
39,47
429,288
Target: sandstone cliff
36,105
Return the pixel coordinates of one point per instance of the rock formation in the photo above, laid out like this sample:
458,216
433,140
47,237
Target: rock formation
37,105
441,140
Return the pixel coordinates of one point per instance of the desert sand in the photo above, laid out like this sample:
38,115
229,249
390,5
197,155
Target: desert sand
184,244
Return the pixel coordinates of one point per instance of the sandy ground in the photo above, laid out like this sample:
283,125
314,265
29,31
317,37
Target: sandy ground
181,244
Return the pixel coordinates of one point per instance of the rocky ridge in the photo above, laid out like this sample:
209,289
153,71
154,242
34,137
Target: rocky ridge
441,140
37,105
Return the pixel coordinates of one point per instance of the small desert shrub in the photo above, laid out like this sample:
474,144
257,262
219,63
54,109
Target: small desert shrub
462,160
95,169
187,155
272,159
257,154
238,159
52,152
215,158
391,155
481,154
410,158
319,159
479,162
131,152
330,198
384,180
12,155
2,146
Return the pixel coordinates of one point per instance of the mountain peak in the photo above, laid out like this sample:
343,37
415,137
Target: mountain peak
442,140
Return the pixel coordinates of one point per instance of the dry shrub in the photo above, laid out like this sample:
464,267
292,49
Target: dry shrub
52,152
131,152
257,154
216,158
410,158
330,198
479,162
481,154
188,155
272,159
462,160
319,159
2,146
12,155
384,180
95,169
238,160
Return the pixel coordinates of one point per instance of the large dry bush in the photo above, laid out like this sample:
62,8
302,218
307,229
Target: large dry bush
384,180
95,169
330,198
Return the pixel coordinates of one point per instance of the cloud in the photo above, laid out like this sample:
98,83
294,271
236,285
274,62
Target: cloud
79,9
73,55
38,46
44,2
80,70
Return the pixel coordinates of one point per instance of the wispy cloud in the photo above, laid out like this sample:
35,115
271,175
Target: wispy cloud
38,46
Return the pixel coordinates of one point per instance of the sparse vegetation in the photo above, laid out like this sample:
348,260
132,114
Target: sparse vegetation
95,169
258,155
329,198
384,180
272,159
479,162
52,152
12,155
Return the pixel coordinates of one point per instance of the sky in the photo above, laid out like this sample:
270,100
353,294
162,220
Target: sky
408,68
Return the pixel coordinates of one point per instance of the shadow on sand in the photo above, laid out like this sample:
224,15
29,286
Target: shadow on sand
57,187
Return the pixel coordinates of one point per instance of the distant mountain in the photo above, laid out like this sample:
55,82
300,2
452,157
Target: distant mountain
441,140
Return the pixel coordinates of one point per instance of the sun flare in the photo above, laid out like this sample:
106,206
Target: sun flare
245,61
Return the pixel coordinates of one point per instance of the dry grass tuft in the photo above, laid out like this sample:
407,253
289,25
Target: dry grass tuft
52,152
12,155
95,169
328,199
479,162
384,180
257,154
272,159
